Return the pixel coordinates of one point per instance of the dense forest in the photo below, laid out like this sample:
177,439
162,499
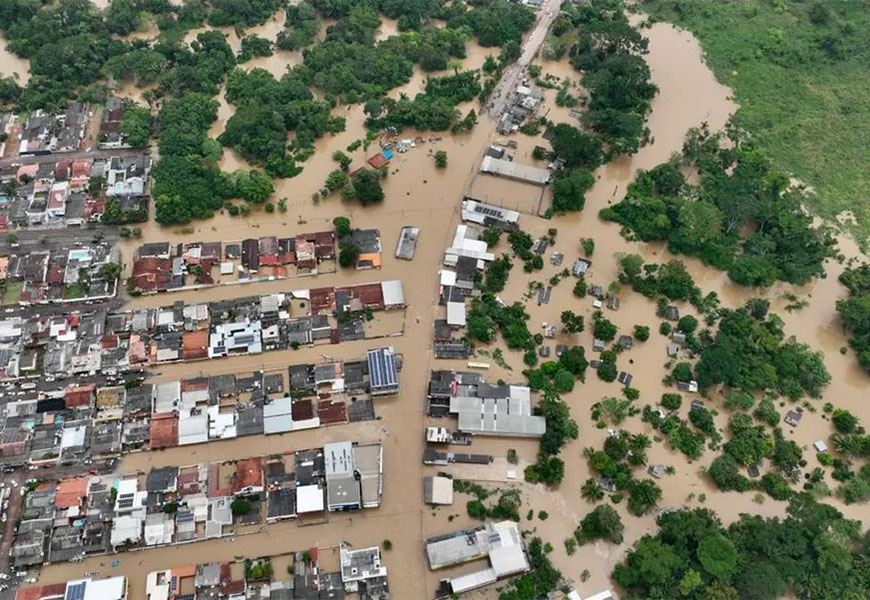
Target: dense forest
743,216
812,549
750,352
608,51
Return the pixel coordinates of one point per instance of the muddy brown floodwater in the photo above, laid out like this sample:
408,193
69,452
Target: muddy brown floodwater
419,194
12,65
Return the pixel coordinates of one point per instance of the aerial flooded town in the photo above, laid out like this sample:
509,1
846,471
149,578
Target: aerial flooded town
429,299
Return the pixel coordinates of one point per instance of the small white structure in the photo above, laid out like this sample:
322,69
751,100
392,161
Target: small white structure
394,297
820,446
309,498
438,490
605,595
456,316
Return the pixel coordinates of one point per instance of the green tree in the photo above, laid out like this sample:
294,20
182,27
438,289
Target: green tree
136,126
690,582
577,149
348,255
240,507
603,522
760,579
602,328
368,188
569,189
644,495
718,556
441,159
641,333
571,322
342,226
844,421
254,186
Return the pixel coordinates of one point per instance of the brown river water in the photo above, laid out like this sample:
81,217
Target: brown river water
418,194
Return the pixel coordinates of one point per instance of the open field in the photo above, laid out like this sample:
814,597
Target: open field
802,82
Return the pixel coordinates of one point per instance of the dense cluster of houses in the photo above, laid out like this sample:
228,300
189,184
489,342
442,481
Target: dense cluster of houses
464,262
303,577
41,192
292,576
84,422
96,514
116,342
526,102
161,266
60,274
60,194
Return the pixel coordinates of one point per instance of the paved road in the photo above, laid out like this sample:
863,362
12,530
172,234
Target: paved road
503,93
53,158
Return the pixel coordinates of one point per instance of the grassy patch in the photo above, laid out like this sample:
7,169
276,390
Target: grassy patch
76,290
802,78
13,292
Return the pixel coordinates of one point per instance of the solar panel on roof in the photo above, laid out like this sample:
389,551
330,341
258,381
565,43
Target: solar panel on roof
76,591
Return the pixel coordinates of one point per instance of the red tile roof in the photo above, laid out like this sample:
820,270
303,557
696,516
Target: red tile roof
164,430
81,168
39,592
75,396
151,273
194,344
70,492
249,473
302,410
322,300
62,169
370,294
332,412
377,161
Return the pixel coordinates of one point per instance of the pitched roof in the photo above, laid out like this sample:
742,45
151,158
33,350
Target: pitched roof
70,492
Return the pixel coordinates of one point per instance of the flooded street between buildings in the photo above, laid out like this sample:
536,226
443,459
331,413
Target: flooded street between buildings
420,195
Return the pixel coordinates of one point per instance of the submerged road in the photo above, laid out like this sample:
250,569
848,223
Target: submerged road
504,90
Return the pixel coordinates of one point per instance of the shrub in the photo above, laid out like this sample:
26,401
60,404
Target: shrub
672,401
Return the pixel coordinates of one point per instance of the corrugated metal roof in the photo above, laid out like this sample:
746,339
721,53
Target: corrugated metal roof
382,368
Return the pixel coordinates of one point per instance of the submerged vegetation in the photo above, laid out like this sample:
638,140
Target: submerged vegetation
855,311
604,46
743,217
800,71
73,53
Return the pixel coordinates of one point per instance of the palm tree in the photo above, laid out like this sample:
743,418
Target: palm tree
639,441
591,492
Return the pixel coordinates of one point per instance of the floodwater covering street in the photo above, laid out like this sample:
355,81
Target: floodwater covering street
418,194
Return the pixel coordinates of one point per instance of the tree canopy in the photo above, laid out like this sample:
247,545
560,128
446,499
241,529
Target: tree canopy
739,192
813,550
754,354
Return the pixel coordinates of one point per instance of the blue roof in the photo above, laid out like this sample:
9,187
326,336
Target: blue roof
382,368
388,154
76,591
